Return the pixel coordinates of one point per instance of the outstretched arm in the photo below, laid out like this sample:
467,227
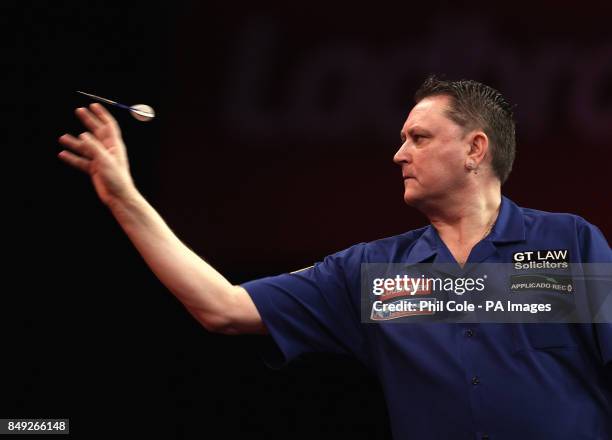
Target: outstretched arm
217,304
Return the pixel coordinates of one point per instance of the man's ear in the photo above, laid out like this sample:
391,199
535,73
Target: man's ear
478,143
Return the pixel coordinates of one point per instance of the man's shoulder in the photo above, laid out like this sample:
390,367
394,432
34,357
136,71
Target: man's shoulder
392,247
383,247
566,219
386,249
589,238
405,238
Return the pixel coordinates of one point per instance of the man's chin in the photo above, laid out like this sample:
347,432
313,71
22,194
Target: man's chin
412,199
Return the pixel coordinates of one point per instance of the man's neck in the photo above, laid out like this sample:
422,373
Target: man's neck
466,219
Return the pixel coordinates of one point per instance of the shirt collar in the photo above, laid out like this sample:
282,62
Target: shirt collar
510,224
509,227
424,247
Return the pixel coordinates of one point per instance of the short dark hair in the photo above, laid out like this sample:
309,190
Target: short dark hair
475,105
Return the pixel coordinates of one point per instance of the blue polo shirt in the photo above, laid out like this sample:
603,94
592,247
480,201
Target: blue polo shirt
460,381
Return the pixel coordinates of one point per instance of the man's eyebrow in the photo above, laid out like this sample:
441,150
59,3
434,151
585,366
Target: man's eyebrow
411,131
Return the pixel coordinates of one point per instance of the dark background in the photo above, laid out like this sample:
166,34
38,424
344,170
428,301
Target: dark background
271,148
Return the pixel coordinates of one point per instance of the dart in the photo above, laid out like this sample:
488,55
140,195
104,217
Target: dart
142,112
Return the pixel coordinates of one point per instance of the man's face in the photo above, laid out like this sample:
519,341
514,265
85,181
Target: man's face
433,153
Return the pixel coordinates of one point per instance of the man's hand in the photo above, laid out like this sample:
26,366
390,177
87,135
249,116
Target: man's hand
217,304
101,153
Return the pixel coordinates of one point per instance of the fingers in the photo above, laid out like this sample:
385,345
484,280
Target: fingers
75,161
103,115
88,119
86,145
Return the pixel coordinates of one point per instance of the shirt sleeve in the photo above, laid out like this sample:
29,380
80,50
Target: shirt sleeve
595,251
313,310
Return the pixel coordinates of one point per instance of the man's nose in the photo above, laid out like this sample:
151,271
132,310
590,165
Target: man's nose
402,155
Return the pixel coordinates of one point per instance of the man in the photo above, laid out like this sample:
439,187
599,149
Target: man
472,381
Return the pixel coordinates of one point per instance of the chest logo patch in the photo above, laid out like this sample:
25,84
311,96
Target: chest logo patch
541,259
396,301
541,282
